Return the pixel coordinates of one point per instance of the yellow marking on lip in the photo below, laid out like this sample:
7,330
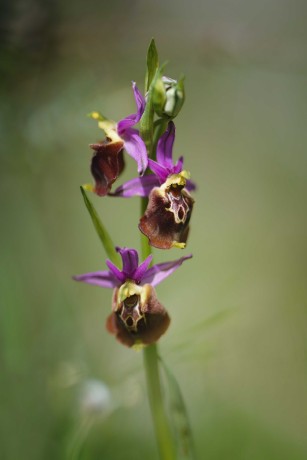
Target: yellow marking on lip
138,346
175,244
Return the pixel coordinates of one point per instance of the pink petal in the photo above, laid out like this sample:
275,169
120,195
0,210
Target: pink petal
102,278
159,272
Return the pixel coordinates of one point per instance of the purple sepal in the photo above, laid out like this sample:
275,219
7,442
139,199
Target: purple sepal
158,170
159,272
136,148
165,146
178,167
164,166
140,274
190,186
130,260
102,278
116,272
142,269
131,120
139,186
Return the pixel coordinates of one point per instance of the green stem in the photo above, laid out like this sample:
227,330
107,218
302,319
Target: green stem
161,423
150,135
164,436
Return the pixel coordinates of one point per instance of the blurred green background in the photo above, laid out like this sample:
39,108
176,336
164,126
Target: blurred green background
237,342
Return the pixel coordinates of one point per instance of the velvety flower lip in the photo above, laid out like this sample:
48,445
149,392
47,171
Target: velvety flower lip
163,168
107,164
132,271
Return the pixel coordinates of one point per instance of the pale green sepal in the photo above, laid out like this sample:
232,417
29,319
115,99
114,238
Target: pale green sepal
152,63
179,417
101,230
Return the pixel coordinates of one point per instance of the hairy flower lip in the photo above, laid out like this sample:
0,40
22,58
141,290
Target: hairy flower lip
166,219
106,165
145,324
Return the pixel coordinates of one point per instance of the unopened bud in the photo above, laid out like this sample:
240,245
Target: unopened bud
168,97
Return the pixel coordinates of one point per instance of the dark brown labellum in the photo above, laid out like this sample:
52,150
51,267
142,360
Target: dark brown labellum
167,217
107,164
138,319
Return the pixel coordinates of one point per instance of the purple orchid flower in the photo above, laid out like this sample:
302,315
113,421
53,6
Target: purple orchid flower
166,219
107,162
137,316
163,168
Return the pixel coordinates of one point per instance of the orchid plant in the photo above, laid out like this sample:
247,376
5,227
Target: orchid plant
137,318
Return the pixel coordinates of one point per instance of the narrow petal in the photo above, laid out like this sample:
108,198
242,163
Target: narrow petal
159,272
141,270
190,186
158,169
136,148
165,146
131,120
178,167
103,279
116,272
130,260
140,186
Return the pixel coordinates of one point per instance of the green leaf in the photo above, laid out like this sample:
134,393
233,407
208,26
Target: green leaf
179,417
152,63
101,230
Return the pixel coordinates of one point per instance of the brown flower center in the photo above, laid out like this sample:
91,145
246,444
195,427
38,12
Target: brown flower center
178,205
130,312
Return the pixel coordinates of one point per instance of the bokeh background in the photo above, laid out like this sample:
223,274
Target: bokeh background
237,343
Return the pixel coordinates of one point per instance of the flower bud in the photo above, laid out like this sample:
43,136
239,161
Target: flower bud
168,97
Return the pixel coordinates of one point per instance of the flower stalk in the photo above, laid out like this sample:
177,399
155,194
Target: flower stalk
161,423
137,318
162,428
163,432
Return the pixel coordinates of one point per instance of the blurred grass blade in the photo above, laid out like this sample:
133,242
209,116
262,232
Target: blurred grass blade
152,63
101,230
179,417
212,320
